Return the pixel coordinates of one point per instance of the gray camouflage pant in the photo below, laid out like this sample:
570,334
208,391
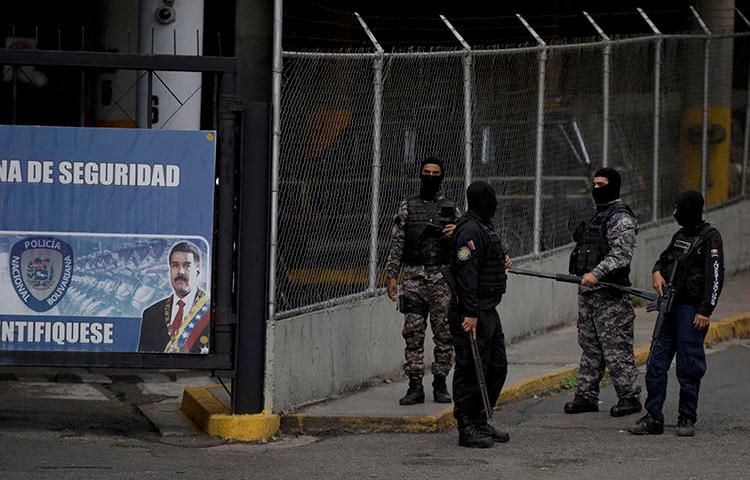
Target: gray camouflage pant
427,294
605,334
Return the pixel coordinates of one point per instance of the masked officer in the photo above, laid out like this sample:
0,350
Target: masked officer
603,252
420,243
478,269
697,253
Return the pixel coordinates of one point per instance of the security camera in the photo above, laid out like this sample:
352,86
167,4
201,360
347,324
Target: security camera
165,14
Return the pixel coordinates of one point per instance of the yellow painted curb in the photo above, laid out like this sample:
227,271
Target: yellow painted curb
302,423
217,420
736,326
214,418
534,385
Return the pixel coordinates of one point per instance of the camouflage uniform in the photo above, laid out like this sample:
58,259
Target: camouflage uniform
422,284
605,319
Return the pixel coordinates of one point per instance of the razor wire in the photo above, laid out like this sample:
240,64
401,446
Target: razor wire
328,120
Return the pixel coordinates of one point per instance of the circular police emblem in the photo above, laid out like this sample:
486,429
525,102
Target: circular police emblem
41,270
204,339
464,253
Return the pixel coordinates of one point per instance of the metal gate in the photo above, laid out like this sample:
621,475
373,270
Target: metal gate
227,120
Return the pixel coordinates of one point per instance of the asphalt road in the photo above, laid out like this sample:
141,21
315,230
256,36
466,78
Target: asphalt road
107,438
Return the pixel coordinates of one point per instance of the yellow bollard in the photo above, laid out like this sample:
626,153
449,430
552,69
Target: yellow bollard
717,179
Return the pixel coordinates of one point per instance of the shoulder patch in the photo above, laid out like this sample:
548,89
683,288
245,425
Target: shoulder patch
464,253
714,252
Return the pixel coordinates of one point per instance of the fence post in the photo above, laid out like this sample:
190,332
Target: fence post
541,92
657,115
468,131
274,230
376,155
704,108
605,88
746,140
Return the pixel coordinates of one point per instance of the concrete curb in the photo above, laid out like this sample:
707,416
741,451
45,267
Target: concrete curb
213,417
298,423
736,326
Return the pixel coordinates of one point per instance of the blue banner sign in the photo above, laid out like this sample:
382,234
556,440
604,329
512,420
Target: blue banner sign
105,239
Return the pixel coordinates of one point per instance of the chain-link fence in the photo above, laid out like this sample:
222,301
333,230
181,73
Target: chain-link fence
668,111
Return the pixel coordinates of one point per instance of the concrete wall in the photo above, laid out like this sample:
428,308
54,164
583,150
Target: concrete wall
326,353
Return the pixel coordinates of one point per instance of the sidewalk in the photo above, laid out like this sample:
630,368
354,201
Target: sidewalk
535,365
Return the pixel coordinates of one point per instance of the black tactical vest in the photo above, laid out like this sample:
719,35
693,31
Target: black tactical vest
592,246
492,277
689,280
424,231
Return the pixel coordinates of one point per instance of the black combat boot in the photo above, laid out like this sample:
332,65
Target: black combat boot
415,394
440,390
472,437
685,427
626,406
647,425
484,427
581,405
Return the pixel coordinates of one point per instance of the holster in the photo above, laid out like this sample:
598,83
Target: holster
408,304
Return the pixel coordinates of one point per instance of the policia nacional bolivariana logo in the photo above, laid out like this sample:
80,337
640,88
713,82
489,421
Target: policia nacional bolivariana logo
41,269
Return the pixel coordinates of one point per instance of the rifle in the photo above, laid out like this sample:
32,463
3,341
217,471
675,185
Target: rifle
561,277
663,305
478,367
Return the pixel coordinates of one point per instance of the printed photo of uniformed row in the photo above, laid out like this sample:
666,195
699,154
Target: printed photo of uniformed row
104,293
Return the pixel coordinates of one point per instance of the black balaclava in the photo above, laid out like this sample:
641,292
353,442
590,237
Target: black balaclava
482,200
430,183
609,192
689,206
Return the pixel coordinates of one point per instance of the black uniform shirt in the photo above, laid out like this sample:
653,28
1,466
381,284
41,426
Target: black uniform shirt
711,258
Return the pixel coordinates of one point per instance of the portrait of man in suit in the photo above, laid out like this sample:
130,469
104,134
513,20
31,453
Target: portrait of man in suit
180,322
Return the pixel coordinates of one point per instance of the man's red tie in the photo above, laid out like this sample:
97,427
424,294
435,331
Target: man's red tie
177,318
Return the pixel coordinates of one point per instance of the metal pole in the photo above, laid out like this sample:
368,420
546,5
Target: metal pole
82,85
376,152
579,137
14,88
746,140
468,125
278,13
467,121
149,99
14,95
541,92
82,100
224,249
250,388
605,88
657,116
704,113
